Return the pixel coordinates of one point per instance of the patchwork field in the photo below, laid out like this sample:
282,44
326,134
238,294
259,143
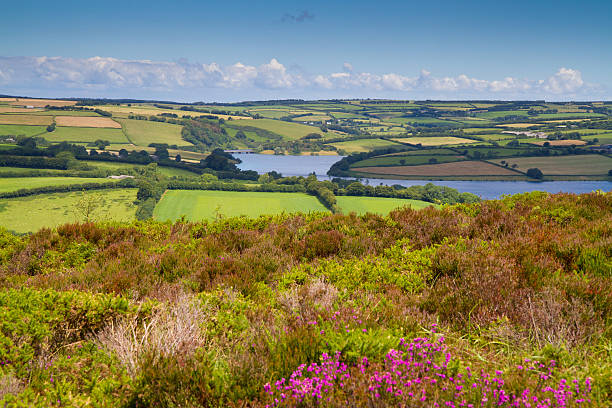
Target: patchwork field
590,164
376,205
85,135
87,121
286,129
18,183
125,111
25,120
434,141
201,205
462,168
143,132
26,130
28,214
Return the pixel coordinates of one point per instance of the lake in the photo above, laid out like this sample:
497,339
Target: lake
304,165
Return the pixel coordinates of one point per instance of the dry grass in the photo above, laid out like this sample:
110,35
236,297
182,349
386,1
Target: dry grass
462,168
9,385
41,103
7,99
86,121
25,120
172,332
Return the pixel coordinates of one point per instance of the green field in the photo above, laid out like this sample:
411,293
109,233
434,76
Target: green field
501,114
29,214
18,183
362,145
168,171
435,141
408,160
85,135
587,164
200,205
286,129
144,132
27,130
377,205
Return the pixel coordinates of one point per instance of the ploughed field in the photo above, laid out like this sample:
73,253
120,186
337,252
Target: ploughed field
494,304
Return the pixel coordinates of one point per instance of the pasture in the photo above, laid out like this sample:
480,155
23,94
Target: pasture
201,205
587,164
25,120
376,205
85,135
362,145
408,160
26,130
29,214
17,183
455,169
434,140
144,132
121,168
87,121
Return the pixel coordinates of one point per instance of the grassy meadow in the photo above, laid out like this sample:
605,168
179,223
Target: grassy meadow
17,183
203,205
85,135
142,132
30,214
377,205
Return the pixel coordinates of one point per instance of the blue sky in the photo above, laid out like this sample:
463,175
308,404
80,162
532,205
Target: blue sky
228,51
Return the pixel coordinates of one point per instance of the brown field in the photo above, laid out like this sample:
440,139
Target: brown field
462,168
579,165
25,120
561,142
7,99
12,109
519,125
86,121
41,103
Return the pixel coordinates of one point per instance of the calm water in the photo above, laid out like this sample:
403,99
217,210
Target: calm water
304,165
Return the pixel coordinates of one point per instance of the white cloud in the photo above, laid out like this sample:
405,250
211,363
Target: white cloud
104,74
564,81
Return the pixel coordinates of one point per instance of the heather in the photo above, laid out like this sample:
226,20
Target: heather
497,303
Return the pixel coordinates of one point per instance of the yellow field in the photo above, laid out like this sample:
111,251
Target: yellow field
25,120
12,109
41,103
7,99
86,121
124,111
